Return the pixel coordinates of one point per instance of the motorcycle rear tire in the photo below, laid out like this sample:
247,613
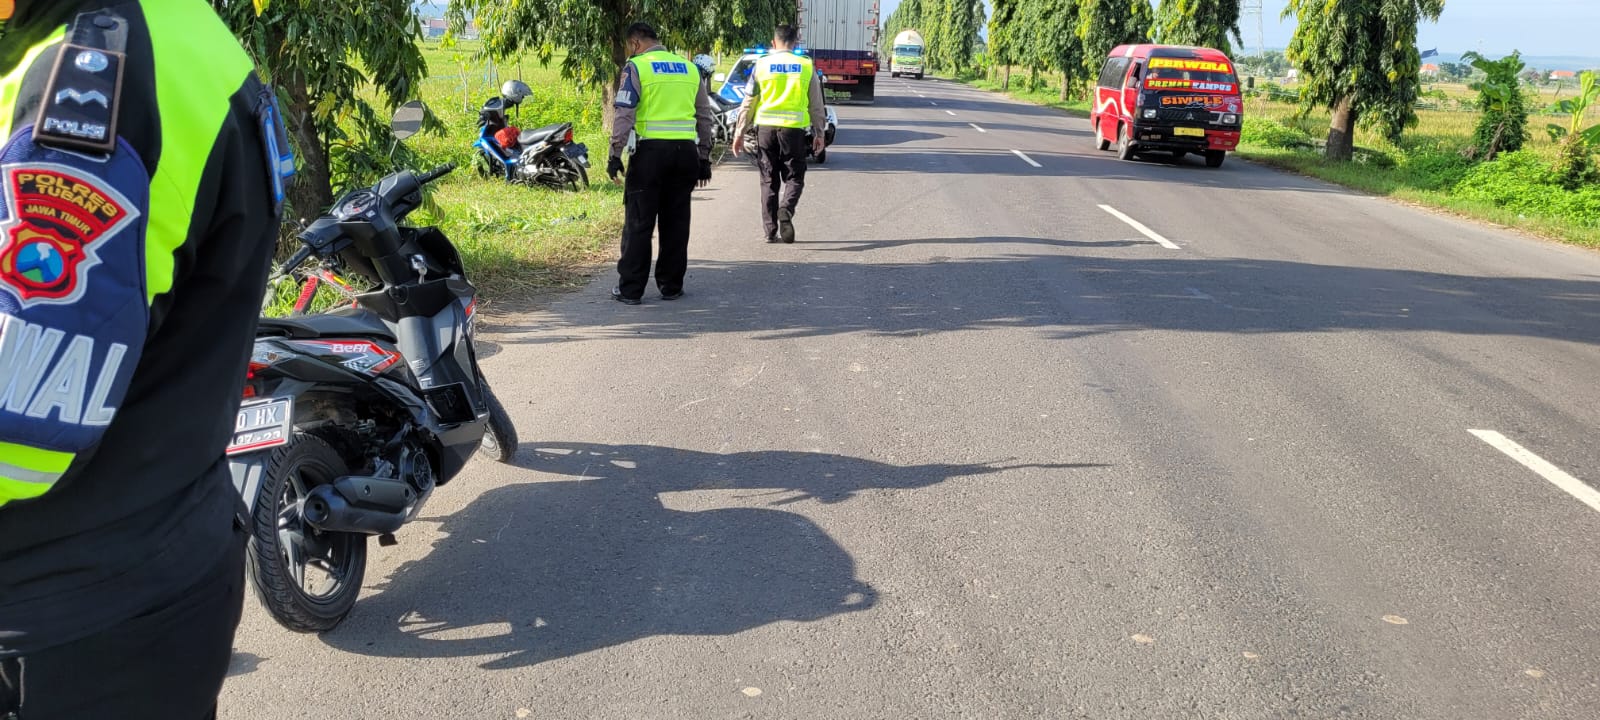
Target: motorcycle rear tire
315,462
500,438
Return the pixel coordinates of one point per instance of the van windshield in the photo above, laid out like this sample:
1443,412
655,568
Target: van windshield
1190,74
908,50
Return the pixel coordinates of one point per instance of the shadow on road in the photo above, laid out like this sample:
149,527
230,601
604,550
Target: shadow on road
543,570
1074,293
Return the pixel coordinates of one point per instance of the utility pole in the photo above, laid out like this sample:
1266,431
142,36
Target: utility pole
1253,7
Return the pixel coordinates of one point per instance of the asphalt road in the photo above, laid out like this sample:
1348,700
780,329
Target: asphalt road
976,447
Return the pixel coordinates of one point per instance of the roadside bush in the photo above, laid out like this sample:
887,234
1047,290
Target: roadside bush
1523,181
1503,127
1271,133
1435,169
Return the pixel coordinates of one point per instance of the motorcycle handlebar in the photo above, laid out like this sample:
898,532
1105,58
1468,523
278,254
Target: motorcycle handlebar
294,260
436,173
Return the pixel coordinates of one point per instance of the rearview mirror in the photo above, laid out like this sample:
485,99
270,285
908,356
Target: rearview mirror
407,119
720,77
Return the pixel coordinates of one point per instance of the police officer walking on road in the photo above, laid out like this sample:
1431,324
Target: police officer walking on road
663,114
786,96
140,180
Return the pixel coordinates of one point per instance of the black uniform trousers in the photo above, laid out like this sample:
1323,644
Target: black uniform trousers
661,177
166,664
781,153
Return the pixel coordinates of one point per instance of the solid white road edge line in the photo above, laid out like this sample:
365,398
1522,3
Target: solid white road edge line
1557,477
1147,232
979,129
1025,158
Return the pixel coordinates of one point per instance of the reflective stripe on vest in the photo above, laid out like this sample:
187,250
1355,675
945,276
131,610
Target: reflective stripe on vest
27,472
784,80
668,86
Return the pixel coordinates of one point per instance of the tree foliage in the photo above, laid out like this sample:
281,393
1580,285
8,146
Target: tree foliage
1359,59
322,55
588,34
1004,36
1206,23
1105,24
1056,45
1503,127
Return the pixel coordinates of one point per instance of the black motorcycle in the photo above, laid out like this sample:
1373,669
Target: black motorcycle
352,417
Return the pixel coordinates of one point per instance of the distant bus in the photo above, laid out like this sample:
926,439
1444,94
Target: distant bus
907,55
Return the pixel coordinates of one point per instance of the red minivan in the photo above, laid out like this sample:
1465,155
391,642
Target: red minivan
1168,98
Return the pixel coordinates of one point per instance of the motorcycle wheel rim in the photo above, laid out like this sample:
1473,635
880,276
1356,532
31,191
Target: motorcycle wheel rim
303,547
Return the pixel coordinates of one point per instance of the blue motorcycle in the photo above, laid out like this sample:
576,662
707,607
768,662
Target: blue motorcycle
546,157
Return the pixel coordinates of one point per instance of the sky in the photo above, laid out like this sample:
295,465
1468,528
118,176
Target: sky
1492,27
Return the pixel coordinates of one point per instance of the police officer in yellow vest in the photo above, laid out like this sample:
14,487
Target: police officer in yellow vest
141,171
663,112
786,96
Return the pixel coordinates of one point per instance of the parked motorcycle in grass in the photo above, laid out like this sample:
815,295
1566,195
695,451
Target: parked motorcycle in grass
547,156
352,417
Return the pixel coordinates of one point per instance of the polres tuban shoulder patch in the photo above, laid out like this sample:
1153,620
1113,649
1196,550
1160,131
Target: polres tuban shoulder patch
59,218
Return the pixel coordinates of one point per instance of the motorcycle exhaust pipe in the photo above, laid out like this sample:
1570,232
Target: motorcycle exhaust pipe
364,505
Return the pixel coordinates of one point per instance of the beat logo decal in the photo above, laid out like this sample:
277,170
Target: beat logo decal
58,220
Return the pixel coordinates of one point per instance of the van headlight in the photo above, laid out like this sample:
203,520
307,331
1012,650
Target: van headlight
1230,119
1150,113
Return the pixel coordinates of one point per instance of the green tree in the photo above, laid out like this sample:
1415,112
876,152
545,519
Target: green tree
1503,127
589,33
1004,45
952,32
1105,24
1359,59
1575,162
322,56
1055,44
1207,23
1455,71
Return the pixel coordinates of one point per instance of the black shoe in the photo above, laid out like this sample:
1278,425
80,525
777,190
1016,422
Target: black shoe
674,295
786,225
773,241
616,294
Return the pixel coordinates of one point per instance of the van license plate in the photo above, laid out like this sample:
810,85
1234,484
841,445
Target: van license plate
1189,132
261,425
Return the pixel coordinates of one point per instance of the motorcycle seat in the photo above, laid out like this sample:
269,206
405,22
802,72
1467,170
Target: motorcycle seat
336,324
534,137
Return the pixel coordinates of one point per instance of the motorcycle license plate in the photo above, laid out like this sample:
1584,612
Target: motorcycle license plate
1189,132
262,425
577,151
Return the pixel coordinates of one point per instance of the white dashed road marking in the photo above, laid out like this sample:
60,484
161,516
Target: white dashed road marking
979,129
1025,158
1557,477
1147,232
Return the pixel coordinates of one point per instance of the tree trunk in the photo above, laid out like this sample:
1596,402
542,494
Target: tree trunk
1005,78
1066,84
1342,131
608,91
312,189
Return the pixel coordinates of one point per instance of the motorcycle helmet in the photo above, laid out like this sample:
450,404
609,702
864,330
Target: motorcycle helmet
706,63
515,91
